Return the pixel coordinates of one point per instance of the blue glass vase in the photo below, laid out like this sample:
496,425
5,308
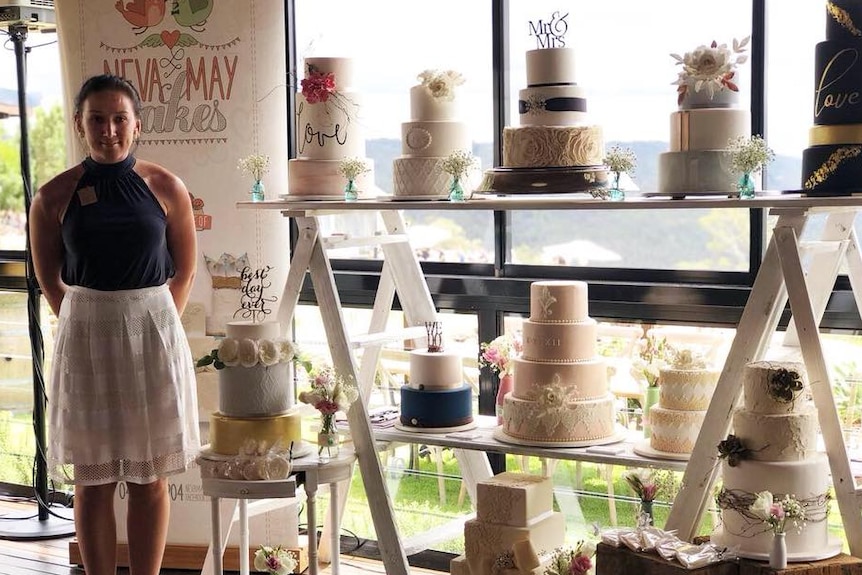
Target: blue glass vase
615,194
745,186
456,192
351,193
257,191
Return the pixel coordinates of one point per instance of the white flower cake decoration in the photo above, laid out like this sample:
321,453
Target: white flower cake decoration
711,68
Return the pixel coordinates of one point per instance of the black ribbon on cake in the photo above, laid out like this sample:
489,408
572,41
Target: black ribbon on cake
553,105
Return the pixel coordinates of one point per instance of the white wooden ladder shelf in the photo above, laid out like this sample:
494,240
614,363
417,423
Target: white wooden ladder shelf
805,273
401,274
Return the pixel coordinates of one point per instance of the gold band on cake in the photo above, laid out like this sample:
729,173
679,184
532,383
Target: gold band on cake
229,434
835,134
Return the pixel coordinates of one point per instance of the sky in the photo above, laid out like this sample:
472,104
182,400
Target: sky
622,47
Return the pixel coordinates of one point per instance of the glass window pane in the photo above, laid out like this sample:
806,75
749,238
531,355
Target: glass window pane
387,61
630,95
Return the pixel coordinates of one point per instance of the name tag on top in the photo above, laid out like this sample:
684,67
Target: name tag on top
87,196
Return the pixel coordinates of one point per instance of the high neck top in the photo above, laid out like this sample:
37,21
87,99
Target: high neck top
114,231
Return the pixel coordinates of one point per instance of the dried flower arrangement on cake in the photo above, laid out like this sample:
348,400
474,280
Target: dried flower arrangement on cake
352,168
733,449
255,165
274,560
441,83
778,512
710,68
748,155
459,163
499,353
577,561
232,352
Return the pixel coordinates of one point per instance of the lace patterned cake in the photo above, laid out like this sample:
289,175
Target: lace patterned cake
560,388
552,110
255,391
435,396
328,130
515,528
685,390
708,117
774,449
433,132
833,160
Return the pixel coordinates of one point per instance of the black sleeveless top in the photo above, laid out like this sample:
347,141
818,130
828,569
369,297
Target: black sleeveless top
114,231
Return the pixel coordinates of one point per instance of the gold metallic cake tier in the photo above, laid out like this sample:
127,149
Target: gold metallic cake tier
229,434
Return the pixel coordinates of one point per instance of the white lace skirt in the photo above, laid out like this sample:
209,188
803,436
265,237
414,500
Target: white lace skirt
122,404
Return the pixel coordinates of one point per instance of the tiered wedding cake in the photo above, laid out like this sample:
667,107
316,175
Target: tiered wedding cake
560,388
515,528
685,390
328,130
554,130
435,396
255,394
432,133
774,449
707,119
833,161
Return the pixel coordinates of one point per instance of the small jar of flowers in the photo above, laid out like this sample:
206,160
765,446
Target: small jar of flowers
256,166
746,156
457,164
329,394
352,168
498,356
619,161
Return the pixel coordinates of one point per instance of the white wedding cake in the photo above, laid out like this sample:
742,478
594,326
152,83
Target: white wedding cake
328,130
554,129
685,390
560,383
515,529
774,449
433,132
708,118
255,391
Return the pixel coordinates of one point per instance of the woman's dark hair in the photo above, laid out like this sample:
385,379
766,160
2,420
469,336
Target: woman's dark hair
105,83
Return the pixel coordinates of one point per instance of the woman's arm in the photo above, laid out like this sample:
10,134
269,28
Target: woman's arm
46,240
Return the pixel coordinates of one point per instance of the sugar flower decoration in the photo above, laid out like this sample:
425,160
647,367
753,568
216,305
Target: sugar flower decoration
232,352
748,154
255,165
317,86
711,68
352,168
458,163
441,83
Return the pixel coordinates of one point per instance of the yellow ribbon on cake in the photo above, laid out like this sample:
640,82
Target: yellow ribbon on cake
835,134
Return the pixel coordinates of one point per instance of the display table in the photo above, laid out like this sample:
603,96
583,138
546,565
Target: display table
316,472
402,275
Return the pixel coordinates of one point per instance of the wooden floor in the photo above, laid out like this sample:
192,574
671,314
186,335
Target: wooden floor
51,557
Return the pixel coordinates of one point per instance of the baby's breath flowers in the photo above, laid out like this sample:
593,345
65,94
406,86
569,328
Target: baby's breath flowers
352,168
748,155
255,165
441,84
458,163
620,160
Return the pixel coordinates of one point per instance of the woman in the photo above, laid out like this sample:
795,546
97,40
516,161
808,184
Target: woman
113,245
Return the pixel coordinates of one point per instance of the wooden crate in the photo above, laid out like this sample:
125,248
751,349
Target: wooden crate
838,565
622,561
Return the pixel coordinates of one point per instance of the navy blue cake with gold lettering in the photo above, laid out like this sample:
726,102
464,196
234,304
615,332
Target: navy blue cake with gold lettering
832,164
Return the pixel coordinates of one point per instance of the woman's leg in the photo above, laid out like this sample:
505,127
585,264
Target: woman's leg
96,528
147,525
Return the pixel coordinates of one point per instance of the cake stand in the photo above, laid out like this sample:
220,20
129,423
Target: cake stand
592,180
833,548
644,448
618,435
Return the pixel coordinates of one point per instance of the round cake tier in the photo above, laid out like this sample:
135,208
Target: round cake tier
762,376
546,146
324,178
329,130
572,380
843,20
837,83
674,431
422,139
229,434
552,106
552,419
550,67
424,107
720,98
808,480
436,408
435,370
341,69
778,437
252,330
558,301
559,342
707,129
254,391
686,389
424,178
696,172
832,170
